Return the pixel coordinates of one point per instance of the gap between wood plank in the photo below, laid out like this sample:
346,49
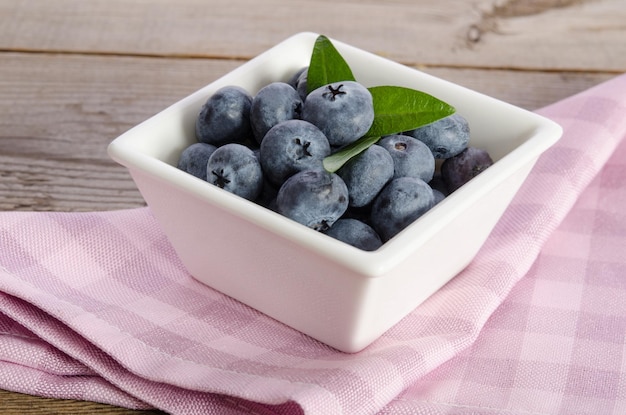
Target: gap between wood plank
243,59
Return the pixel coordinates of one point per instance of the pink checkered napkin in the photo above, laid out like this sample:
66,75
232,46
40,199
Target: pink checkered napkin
97,306
557,344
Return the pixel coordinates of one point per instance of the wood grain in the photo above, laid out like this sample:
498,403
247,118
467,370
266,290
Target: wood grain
55,128
18,404
588,35
75,74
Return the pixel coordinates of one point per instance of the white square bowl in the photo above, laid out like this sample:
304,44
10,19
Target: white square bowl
331,291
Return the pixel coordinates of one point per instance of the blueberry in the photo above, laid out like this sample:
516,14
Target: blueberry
225,117
401,202
366,175
411,157
299,82
362,214
293,80
235,168
344,111
439,186
437,183
460,169
193,159
355,233
267,197
292,146
274,103
446,137
439,196
313,198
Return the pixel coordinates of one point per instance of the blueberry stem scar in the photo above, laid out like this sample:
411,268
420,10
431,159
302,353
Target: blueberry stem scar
333,92
222,181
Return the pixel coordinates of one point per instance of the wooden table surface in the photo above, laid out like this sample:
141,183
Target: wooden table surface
75,74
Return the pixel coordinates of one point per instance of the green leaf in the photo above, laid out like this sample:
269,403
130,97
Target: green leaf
334,162
327,65
398,109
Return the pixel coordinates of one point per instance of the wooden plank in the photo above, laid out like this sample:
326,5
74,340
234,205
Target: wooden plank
553,34
526,89
20,404
569,35
59,112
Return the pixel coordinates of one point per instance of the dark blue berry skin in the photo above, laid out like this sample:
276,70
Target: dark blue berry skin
225,117
446,137
437,183
411,157
236,169
293,80
193,159
439,196
267,197
274,103
439,186
344,111
400,203
355,233
299,82
366,175
292,146
313,198
460,169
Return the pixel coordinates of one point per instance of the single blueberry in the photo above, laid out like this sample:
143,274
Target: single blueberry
366,175
446,137
355,233
235,168
293,80
313,198
299,82
344,111
225,117
292,146
460,169
401,202
193,159
274,103
411,157
439,196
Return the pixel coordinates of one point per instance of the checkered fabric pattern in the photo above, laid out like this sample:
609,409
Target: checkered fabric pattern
97,306
557,344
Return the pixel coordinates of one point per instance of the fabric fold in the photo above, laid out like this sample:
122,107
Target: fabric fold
97,305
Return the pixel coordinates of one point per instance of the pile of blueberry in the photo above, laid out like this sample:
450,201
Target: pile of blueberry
269,148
